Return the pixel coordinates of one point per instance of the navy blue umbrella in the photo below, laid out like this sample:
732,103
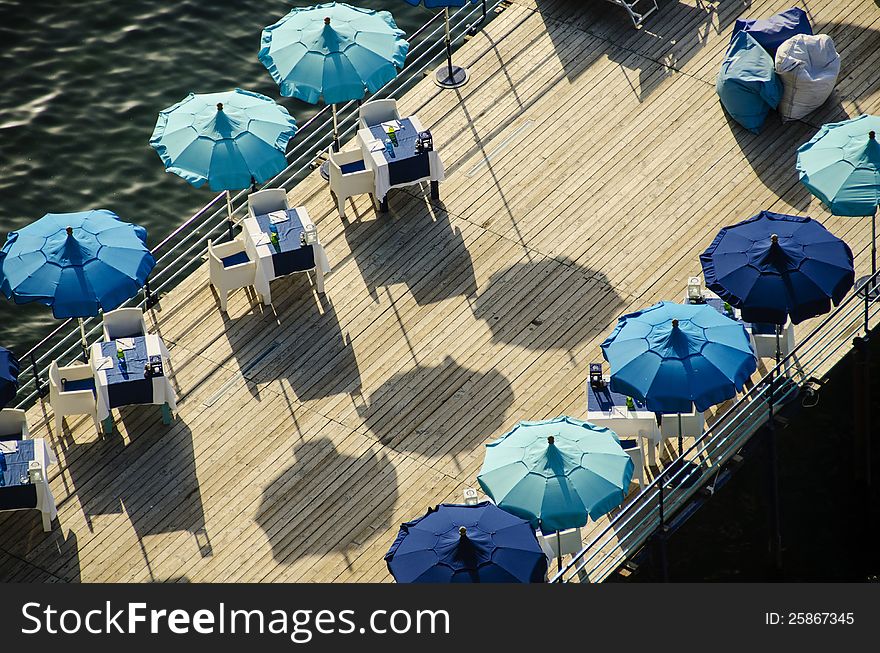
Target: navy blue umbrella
467,544
9,369
774,266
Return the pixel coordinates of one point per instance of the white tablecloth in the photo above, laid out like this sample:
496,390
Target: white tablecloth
163,392
374,157
261,253
45,501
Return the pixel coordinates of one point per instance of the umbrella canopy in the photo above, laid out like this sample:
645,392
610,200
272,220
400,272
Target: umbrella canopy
841,166
677,356
228,140
466,544
9,369
556,473
77,263
773,266
333,52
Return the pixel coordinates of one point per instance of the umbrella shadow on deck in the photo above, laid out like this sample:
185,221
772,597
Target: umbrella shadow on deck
418,411
548,303
151,478
308,348
327,501
415,244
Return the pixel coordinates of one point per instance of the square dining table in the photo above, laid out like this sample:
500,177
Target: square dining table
403,165
24,480
291,253
139,376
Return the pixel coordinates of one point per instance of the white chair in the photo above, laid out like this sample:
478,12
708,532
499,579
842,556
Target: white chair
375,112
230,268
124,323
692,425
765,345
13,424
349,176
563,543
633,448
72,392
266,201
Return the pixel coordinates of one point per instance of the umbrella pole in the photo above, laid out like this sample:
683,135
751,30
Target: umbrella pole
558,552
873,243
335,129
229,212
82,333
680,438
451,76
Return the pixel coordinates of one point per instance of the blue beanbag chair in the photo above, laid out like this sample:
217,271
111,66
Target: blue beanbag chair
772,32
747,83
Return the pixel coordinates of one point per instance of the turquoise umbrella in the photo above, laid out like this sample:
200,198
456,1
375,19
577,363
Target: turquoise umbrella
556,473
841,166
229,140
333,52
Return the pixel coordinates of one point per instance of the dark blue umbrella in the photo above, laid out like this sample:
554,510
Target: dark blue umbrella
9,369
774,266
467,544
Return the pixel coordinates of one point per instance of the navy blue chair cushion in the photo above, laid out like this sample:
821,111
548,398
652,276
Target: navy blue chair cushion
355,166
628,444
235,259
78,384
763,328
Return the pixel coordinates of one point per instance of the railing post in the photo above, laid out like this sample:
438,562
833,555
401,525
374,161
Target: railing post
150,299
42,391
773,479
661,535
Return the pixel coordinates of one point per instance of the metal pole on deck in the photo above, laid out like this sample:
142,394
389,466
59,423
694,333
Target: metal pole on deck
775,525
229,212
83,343
335,128
449,76
660,536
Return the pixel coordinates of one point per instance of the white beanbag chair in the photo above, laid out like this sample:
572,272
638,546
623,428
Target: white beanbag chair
808,67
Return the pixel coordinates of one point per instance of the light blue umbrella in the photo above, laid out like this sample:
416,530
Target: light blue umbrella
841,166
77,263
677,356
556,473
453,76
333,52
229,140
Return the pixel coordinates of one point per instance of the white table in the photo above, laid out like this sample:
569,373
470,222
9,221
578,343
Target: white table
43,457
163,392
374,157
260,250
640,424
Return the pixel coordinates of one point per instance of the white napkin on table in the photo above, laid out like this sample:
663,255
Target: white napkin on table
104,363
278,216
124,344
9,447
262,239
391,123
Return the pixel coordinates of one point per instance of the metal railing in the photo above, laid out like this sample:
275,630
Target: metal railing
183,250
651,511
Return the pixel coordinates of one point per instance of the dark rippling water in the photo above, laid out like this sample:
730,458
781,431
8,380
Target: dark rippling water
81,83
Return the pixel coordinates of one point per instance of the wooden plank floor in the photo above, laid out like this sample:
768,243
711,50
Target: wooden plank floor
588,164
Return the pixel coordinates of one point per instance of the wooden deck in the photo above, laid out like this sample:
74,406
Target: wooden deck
588,164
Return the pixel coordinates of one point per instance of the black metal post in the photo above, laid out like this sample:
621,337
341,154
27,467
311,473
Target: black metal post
435,190
660,537
449,56
42,391
775,522
151,299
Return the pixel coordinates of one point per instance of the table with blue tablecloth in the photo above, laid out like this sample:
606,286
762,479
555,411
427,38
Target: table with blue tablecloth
24,483
289,252
404,165
139,376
